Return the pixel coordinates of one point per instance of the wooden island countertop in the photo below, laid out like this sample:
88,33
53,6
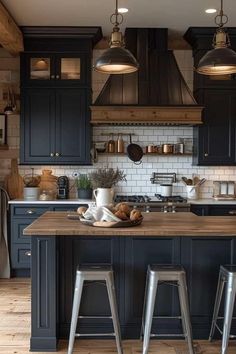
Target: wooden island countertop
154,224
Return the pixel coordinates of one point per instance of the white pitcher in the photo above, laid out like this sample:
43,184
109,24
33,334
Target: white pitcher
103,196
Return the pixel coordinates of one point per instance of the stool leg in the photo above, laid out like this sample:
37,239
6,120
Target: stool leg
144,306
75,311
219,292
149,309
228,312
183,295
114,311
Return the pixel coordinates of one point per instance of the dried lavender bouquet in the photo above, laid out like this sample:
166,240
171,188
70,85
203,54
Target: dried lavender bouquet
106,177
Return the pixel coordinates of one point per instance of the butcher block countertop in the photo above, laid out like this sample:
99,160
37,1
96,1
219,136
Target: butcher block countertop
154,224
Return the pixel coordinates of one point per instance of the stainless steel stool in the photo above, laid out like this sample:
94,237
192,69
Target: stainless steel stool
227,276
95,273
173,275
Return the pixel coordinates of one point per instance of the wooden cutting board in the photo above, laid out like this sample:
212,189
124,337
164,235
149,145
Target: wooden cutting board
14,182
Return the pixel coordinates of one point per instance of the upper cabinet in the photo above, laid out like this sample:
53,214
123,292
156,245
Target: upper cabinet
56,95
215,140
56,69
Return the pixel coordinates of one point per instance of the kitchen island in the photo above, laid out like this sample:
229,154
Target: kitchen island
200,244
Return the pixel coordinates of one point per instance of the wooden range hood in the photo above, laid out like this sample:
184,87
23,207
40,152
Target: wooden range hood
155,95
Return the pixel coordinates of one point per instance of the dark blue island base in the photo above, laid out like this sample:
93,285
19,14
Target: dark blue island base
54,261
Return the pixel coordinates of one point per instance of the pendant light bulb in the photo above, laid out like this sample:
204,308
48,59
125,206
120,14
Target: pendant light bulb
116,59
221,60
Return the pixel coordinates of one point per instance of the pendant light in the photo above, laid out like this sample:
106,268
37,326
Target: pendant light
116,59
221,60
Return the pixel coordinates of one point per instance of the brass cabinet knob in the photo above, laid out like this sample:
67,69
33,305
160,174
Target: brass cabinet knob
52,76
57,154
52,154
206,154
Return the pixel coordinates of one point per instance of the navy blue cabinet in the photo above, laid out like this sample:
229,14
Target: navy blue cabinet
22,215
214,141
214,210
56,95
55,126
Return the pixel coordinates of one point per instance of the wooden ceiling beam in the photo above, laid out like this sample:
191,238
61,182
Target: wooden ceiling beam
11,37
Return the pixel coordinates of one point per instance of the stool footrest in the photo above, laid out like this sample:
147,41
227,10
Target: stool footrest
231,336
167,335
96,317
168,317
94,334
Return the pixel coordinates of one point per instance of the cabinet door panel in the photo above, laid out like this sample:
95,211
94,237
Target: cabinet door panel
217,135
139,253
202,258
94,302
38,126
72,126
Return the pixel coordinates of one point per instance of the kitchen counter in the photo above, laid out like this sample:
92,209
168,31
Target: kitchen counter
205,201
56,201
58,245
154,224
211,201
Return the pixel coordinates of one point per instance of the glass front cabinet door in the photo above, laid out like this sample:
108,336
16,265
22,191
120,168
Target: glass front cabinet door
55,69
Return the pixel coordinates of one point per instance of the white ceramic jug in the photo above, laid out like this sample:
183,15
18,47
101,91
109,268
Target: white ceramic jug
103,196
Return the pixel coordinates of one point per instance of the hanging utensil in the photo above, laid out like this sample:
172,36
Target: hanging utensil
135,152
8,109
13,100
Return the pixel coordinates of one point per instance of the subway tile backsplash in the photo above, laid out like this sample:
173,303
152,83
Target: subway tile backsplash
138,176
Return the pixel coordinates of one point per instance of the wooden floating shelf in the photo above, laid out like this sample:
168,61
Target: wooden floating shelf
145,153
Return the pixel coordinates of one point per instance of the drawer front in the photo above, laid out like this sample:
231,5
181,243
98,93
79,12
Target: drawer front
17,228
21,255
30,211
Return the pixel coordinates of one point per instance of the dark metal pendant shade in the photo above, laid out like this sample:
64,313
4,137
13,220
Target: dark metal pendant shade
221,60
116,60
218,61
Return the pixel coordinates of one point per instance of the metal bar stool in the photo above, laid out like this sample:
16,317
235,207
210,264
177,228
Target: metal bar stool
95,273
173,275
227,276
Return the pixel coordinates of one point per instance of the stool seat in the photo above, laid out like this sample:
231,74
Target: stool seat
95,272
227,280
170,274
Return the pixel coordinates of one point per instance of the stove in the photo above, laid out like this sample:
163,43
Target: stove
157,203
158,198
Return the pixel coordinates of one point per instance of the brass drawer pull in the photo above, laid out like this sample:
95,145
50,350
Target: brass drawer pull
30,211
28,253
232,212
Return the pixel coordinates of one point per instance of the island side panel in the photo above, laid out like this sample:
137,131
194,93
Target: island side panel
202,257
43,294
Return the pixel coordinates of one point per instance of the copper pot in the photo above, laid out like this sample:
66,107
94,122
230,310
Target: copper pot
167,148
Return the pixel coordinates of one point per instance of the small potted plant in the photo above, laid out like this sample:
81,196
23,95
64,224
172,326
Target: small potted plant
103,180
84,187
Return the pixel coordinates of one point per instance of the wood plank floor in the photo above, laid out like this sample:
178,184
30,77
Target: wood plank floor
15,330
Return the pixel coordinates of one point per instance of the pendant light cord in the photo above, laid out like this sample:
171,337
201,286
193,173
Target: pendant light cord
116,18
221,19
